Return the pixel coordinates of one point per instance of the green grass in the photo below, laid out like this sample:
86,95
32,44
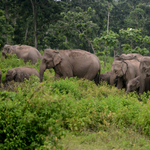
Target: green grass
113,138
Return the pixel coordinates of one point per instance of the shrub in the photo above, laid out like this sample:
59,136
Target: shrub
66,86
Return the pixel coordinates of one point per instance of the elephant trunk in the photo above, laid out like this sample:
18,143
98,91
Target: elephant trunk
113,79
5,83
42,69
3,56
127,92
142,83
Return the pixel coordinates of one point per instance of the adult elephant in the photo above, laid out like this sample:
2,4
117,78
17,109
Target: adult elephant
134,84
19,74
145,72
71,63
123,71
128,56
25,52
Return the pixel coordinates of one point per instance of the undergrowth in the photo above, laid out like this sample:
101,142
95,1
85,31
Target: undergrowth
36,115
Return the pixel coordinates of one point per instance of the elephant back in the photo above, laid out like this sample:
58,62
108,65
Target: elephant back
130,56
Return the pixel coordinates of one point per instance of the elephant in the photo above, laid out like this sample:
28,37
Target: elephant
145,72
0,78
25,52
128,56
71,63
105,77
123,71
134,84
19,74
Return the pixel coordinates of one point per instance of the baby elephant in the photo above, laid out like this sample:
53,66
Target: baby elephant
105,77
134,84
19,74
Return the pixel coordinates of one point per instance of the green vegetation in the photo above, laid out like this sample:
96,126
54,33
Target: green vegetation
91,25
73,113
70,114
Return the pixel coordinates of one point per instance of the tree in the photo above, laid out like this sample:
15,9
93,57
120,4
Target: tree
106,40
133,38
5,29
33,19
78,28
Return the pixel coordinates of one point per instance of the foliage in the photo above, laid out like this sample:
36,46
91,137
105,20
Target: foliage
72,24
27,122
108,40
133,36
75,27
6,29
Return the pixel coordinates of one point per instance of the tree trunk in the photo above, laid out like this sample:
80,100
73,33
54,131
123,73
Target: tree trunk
26,33
6,11
27,28
66,40
108,19
107,32
105,61
114,54
34,8
91,45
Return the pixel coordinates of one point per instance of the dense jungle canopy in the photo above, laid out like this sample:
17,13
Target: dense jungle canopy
92,25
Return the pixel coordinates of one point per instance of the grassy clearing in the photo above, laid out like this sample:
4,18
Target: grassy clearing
113,138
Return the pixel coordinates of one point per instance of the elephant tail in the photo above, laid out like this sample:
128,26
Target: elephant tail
97,77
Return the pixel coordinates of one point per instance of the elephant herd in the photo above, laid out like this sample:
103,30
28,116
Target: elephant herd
129,71
25,52
66,63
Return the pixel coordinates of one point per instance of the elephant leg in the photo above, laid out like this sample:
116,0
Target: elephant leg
57,76
66,70
120,83
67,73
91,73
142,84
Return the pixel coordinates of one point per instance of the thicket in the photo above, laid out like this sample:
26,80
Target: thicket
36,115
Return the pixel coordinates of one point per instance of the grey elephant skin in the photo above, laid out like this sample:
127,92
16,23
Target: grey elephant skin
134,84
19,74
130,56
28,53
145,72
105,77
71,63
124,70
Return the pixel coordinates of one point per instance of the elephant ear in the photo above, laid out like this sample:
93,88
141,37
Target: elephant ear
124,67
137,84
13,73
9,49
57,58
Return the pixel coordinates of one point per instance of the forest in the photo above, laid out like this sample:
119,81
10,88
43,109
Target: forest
72,113
98,26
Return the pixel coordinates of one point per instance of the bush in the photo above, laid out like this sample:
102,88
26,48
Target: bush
27,121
